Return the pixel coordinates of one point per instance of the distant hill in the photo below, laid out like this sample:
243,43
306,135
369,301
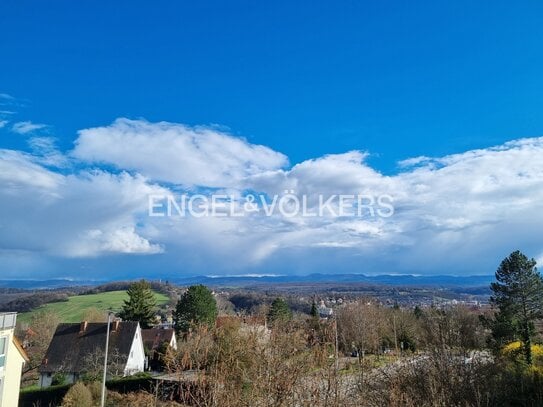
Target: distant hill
388,279
246,280
43,284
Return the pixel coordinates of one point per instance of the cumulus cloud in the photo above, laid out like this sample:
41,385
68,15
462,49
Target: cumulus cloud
27,127
3,123
191,156
459,213
123,240
18,170
45,151
75,215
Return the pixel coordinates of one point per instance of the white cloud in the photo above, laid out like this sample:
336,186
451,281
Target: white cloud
123,240
45,151
84,214
176,153
411,162
3,123
27,127
18,170
460,213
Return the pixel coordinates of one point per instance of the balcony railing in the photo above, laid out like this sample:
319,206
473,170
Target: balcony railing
8,320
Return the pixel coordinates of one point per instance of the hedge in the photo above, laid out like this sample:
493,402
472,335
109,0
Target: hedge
52,396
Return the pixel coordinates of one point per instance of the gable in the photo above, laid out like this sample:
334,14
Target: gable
72,348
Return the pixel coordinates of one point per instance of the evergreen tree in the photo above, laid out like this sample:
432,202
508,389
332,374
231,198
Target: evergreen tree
418,312
197,306
518,295
314,311
141,304
314,323
279,311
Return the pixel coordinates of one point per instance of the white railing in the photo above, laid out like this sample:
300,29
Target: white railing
8,320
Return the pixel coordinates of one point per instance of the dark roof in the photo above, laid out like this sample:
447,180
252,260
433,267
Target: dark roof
70,347
153,338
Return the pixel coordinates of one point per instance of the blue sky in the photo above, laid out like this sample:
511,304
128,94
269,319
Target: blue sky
388,81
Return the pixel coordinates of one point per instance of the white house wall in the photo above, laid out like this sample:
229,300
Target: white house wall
10,374
173,342
136,357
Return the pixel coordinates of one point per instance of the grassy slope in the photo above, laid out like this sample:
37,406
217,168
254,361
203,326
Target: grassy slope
74,309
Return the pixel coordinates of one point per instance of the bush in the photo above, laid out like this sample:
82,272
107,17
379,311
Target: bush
514,349
58,379
519,385
442,378
139,382
95,389
42,397
78,396
140,399
54,395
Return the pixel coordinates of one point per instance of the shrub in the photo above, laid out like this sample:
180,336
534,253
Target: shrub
140,399
42,397
58,379
78,396
96,390
513,350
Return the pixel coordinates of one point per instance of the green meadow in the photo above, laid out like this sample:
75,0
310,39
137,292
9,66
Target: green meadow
74,309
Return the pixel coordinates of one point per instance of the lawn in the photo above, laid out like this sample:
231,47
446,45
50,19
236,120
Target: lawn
74,309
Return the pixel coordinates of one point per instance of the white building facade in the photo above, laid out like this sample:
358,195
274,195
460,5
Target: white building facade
12,359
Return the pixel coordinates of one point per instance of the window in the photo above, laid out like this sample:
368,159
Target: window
3,349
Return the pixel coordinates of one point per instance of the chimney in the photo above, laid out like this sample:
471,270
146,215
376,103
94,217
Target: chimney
83,327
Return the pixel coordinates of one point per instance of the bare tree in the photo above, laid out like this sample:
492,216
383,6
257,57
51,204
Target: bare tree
93,364
359,326
38,335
